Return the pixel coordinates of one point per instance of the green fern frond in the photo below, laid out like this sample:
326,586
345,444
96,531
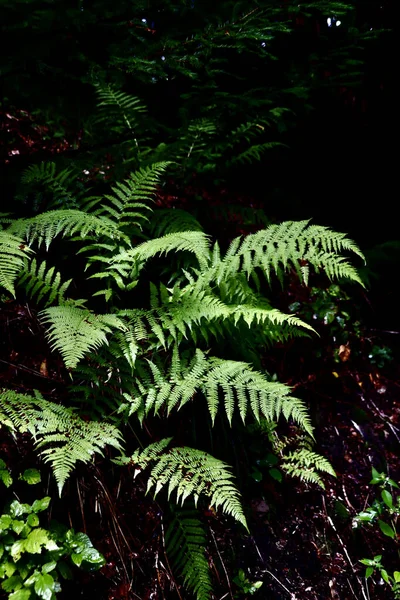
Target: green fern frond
253,153
129,201
173,221
194,242
239,386
13,254
190,472
75,331
305,465
42,282
44,228
185,542
61,436
117,109
288,245
57,183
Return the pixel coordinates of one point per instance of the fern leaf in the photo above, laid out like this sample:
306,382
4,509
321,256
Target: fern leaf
42,282
305,465
195,242
75,331
185,542
58,183
13,254
118,109
61,436
44,228
191,472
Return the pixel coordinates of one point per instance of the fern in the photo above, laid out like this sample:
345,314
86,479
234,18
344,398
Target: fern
57,183
43,283
189,473
236,382
75,331
304,464
13,254
118,108
60,435
185,542
44,228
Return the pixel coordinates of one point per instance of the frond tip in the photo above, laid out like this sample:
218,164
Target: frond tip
190,473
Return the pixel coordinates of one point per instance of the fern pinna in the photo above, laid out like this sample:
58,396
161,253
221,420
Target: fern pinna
171,321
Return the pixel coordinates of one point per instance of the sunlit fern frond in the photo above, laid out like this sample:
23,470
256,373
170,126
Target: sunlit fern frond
13,254
189,473
74,331
306,465
60,435
233,384
44,228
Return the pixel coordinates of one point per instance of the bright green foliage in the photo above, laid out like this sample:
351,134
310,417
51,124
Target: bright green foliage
386,507
44,228
305,464
235,382
185,542
13,253
32,558
60,435
189,472
74,331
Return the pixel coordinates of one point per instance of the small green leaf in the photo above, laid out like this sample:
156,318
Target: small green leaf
50,566
377,477
5,477
367,561
23,594
257,584
33,520
17,509
386,529
7,569
40,505
256,475
17,526
5,522
32,579
387,498
17,549
12,583
396,576
392,483
31,476
385,575
276,474
37,539
44,586
76,559
368,572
